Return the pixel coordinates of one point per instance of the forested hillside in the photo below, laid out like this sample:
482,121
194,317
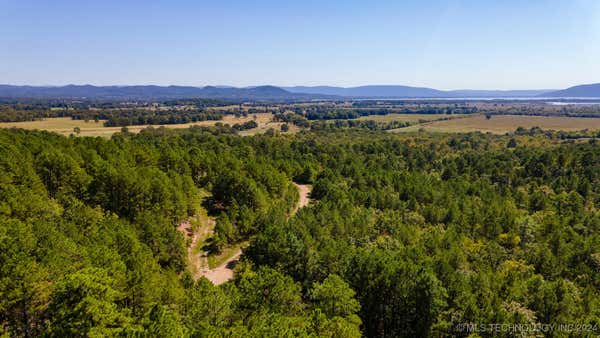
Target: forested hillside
405,236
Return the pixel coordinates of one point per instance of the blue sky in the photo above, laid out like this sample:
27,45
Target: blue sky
449,44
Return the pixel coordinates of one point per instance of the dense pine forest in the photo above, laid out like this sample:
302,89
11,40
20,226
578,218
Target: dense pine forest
409,235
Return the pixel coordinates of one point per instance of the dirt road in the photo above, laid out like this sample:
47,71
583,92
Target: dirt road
304,191
223,272
198,260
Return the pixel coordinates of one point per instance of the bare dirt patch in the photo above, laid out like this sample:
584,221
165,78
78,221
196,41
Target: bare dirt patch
198,258
223,272
304,191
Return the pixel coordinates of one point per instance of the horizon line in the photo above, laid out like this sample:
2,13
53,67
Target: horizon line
284,86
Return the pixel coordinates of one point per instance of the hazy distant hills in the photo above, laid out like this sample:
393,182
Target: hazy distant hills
370,91
266,93
498,93
406,92
152,92
588,90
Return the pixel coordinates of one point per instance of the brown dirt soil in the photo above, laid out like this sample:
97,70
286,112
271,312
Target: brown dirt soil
223,272
304,191
199,260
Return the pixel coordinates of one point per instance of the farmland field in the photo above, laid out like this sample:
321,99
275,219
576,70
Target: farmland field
408,117
501,124
65,125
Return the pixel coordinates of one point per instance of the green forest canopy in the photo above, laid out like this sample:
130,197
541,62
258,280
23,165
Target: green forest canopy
406,235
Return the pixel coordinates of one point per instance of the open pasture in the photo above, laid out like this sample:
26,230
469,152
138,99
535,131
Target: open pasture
501,124
66,125
412,118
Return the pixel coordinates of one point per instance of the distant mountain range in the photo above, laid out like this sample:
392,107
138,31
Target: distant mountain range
406,91
370,91
588,90
270,93
153,92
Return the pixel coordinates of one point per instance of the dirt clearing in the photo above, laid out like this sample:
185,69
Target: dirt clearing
304,191
199,261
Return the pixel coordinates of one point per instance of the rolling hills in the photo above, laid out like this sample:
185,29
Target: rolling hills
274,93
587,90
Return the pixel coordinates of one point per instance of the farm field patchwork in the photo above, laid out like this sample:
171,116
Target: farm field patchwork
408,117
501,124
66,125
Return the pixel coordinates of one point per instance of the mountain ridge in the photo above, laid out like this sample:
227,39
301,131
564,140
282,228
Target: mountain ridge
585,90
393,91
270,92
149,92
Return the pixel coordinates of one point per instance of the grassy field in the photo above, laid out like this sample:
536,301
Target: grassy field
61,125
413,118
498,124
263,127
501,124
65,125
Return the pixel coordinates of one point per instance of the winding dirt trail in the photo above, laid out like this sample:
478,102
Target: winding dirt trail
199,260
304,191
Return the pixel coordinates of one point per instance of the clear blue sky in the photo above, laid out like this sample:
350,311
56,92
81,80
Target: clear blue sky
442,44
